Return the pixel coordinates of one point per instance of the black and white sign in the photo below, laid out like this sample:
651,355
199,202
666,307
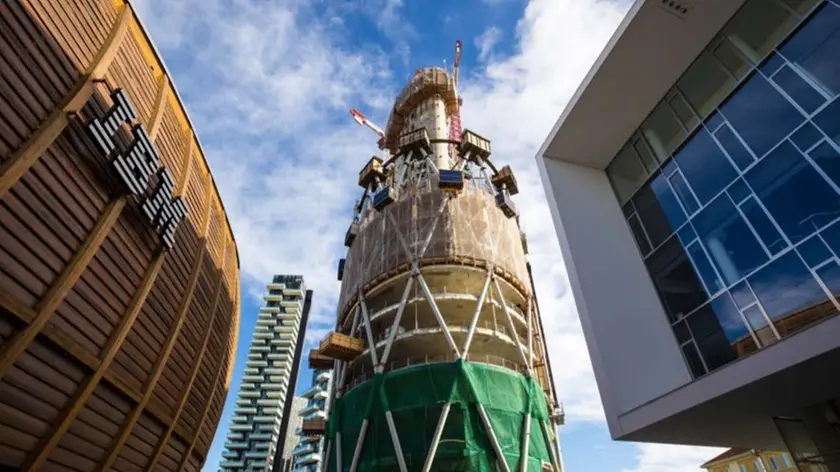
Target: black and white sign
138,164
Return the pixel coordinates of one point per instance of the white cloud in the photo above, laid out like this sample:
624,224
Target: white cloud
671,458
486,41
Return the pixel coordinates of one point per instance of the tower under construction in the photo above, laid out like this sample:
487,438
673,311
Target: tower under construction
438,351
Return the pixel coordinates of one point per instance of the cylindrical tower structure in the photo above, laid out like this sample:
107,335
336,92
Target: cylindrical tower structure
440,358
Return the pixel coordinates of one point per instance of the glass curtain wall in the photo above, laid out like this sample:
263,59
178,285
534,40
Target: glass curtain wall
731,186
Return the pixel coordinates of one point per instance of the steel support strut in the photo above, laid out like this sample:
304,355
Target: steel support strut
430,456
493,441
359,443
511,326
395,438
430,298
395,326
478,307
368,330
526,440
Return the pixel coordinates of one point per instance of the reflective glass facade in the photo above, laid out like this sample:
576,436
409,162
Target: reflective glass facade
731,186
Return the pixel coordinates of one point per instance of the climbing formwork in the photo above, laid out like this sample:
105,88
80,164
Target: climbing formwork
448,368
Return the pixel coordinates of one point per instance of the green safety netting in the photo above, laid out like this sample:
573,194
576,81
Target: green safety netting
415,397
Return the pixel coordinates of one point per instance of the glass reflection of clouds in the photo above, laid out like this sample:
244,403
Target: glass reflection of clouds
740,226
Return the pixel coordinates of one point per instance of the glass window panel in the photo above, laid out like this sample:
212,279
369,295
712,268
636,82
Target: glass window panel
814,251
645,154
816,48
806,136
675,280
684,112
717,327
705,84
742,294
798,198
758,27
772,64
831,236
626,174
662,131
758,322
762,225
705,269
799,90
704,166
687,234
789,293
825,156
669,168
739,190
734,147
801,6
658,210
714,121
829,121
639,235
760,114
733,248
627,209
681,331
684,193
693,360
731,59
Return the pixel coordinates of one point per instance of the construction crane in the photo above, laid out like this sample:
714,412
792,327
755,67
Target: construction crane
455,120
362,120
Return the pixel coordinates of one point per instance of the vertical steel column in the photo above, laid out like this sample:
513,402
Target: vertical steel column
526,440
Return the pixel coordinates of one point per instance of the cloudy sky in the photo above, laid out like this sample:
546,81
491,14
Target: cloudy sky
268,84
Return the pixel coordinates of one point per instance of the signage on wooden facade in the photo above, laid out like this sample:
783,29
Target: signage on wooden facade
137,164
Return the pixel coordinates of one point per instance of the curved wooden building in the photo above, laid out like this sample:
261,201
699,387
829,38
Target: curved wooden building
119,274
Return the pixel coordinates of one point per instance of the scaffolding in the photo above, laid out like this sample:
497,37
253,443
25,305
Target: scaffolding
439,355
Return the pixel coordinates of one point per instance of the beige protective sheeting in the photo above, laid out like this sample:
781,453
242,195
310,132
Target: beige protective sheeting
427,83
471,231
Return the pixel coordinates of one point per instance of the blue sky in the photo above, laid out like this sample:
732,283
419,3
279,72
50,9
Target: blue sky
268,85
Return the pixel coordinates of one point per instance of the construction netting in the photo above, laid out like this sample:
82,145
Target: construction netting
425,83
470,230
415,397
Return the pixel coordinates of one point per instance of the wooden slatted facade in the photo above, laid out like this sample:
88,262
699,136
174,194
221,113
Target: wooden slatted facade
116,351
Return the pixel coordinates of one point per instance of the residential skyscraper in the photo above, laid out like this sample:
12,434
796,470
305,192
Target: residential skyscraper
307,455
693,181
267,389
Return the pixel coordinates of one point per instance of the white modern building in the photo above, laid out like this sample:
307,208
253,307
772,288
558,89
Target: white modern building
308,453
694,184
256,431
